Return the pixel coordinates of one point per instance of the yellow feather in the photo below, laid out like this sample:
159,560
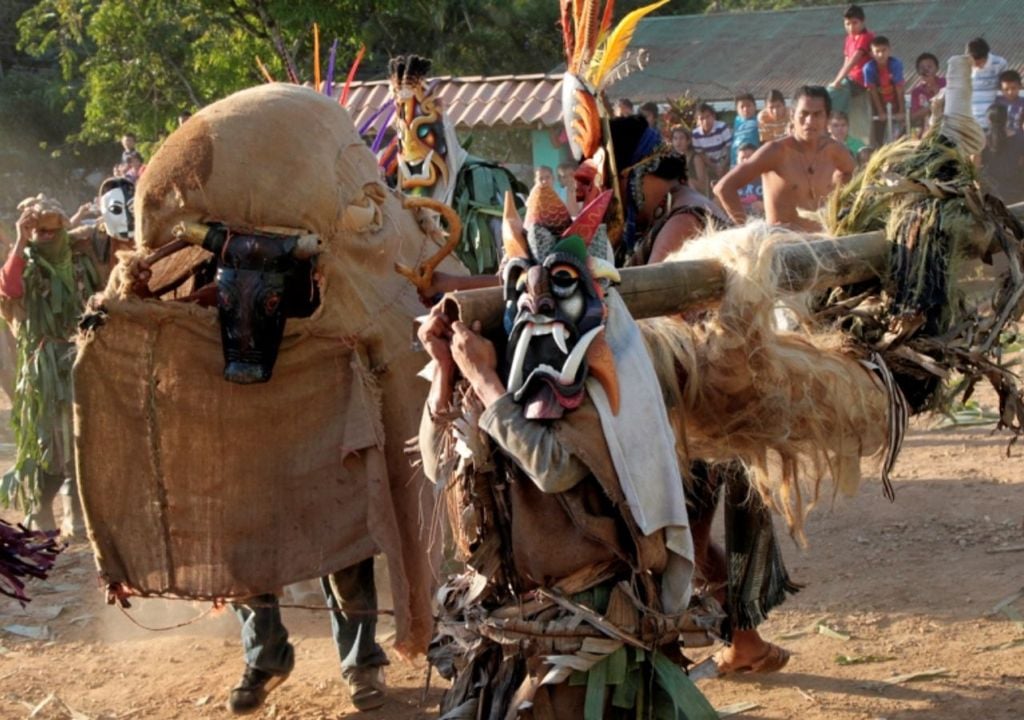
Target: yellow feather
618,41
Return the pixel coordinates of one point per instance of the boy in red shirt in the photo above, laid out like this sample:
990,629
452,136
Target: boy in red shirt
856,53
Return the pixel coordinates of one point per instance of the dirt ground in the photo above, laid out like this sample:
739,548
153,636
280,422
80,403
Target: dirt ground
892,590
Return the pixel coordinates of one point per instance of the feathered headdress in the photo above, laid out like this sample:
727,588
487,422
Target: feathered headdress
596,55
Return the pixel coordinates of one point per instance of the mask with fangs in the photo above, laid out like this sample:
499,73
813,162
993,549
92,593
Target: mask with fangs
555,273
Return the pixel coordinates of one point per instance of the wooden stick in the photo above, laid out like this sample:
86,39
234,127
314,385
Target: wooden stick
669,288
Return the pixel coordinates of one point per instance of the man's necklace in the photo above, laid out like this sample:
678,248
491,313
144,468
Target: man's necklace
809,170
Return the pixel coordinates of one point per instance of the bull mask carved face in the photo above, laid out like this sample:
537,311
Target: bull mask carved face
117,203
419,122
554,278
261,281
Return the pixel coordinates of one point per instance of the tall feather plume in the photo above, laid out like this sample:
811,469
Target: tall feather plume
606,21
567,30
619,40
588,32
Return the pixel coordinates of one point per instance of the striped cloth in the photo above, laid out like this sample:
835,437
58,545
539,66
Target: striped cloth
985,87
715,144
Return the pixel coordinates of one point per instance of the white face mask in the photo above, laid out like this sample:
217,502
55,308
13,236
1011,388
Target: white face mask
116,206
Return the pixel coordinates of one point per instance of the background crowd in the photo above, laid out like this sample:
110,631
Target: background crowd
715,140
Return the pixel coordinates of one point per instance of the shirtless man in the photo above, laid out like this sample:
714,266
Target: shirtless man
797,171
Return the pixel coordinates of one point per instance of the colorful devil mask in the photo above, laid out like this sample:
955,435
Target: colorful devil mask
117,203
423,163
554,276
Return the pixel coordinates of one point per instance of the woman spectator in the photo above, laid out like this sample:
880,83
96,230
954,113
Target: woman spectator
682,143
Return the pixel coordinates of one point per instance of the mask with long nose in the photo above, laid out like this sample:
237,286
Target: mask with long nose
554,275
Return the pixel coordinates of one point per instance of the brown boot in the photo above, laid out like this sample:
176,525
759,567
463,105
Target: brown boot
366,686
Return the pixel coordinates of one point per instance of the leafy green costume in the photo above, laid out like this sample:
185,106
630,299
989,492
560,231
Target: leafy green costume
57,280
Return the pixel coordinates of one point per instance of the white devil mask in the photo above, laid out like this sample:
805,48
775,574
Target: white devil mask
117,201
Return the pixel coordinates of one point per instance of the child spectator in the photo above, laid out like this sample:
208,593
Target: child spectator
623,107
543,176
1009,83
1002,160
712,139
984,78
744,128
682,143
883,76
856,53
133,166
839,129
751,194
773,121
928,86
566,187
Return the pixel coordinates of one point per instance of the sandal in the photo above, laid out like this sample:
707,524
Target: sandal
773,660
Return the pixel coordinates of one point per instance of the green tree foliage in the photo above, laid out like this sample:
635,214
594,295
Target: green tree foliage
135,64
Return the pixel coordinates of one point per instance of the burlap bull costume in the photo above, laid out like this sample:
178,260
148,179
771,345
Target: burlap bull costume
237,471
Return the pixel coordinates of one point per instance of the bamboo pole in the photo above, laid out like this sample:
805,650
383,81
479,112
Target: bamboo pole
669,288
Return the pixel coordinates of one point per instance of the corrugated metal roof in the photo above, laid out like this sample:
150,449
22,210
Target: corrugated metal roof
509,100
716,56
719,55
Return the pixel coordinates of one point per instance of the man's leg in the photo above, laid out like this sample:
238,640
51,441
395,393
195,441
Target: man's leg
758,580
352,595
41,517
269,657
72,523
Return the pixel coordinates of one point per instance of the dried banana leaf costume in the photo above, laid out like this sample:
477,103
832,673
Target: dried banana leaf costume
565,501
43,295
430,162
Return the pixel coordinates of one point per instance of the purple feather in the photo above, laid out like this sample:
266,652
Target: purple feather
379,140
329,81
389,105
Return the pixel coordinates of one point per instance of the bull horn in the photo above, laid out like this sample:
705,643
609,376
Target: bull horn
423,275
193,233
306,246
363,215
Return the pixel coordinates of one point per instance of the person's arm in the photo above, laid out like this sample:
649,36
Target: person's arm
727,190
435,334
896,75
673,235
920,109
534,446
878,112
848,66
845,164
11,285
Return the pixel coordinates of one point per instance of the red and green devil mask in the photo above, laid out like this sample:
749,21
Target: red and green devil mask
555,273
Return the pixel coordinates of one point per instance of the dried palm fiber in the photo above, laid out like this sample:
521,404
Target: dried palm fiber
927,198
220,490
794,407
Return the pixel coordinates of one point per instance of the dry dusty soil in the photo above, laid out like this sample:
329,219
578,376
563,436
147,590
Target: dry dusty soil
893,590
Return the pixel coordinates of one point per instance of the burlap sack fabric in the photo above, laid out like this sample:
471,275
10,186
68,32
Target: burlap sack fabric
197,487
